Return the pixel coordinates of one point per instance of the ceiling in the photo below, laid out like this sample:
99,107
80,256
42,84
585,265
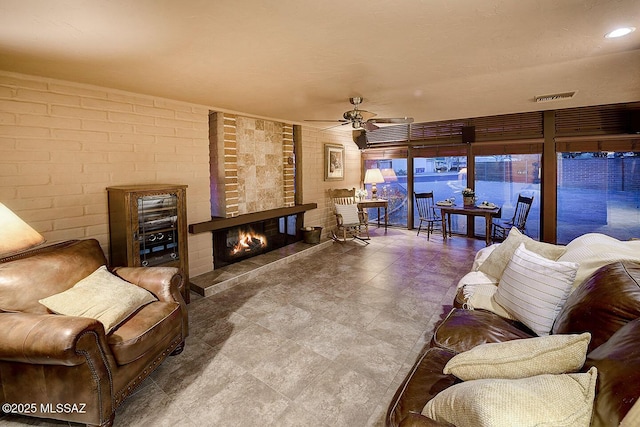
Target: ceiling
292,60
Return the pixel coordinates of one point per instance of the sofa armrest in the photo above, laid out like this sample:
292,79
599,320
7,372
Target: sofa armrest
422,383
418,420
163,282
48,339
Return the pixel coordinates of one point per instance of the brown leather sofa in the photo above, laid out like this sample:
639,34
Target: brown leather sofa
607,305
65,367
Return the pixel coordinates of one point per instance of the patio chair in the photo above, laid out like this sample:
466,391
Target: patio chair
427,212
501,227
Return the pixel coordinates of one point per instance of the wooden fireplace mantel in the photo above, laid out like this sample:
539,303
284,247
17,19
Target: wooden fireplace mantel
218,223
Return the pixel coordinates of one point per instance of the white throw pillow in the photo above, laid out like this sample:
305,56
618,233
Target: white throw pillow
534,289
541,400
553,354
497,261
349,214
101,296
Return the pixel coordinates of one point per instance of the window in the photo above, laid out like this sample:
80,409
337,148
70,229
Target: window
393,189
598,192
446,177
500,179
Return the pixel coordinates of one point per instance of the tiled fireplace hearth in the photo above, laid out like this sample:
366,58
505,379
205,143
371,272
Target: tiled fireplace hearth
246,243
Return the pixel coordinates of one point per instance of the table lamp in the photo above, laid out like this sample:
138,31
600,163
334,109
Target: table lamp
15,234
389,175
373,176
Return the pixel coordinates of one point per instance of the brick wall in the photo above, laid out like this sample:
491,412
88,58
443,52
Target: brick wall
62,144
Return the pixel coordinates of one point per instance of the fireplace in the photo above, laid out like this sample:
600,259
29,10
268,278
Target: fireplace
244,241
279,227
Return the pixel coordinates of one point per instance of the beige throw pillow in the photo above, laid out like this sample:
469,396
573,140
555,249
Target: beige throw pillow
349,214
101,296
541,400
534,289
553,354
497,261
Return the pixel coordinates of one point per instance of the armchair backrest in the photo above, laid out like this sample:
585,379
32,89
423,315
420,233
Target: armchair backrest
30,276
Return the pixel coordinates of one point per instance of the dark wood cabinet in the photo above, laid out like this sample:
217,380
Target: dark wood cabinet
148,227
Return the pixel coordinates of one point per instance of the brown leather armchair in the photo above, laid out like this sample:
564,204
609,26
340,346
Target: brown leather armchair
65,367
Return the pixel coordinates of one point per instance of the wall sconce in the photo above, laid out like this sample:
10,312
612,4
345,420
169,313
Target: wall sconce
15,234
373,177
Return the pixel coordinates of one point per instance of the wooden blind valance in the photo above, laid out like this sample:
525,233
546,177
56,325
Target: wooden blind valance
594,144
493,148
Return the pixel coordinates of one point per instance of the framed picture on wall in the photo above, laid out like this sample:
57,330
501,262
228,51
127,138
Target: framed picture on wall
333,162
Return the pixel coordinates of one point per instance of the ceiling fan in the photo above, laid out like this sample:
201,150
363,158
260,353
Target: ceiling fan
361,119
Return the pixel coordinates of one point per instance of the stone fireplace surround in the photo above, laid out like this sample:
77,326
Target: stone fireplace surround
252,181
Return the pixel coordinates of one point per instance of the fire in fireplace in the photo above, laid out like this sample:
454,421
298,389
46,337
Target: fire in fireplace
239,242
245,242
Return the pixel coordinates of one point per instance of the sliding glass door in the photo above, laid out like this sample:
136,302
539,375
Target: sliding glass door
501,178
393,189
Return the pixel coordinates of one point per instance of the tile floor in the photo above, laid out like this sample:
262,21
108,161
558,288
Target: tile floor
322,341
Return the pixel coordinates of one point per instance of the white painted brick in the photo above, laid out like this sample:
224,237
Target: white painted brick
103,104
23,107
80,135
46,97
81,90
96,125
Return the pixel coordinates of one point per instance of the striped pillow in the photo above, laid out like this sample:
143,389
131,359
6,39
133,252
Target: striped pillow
533,289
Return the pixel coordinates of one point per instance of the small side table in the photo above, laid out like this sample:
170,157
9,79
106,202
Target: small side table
377,203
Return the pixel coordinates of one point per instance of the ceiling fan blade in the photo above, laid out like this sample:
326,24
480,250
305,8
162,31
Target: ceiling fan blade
329,121
367,115
335,126
395,120
369,126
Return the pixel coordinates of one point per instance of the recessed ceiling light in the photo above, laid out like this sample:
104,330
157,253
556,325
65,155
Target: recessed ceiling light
620,32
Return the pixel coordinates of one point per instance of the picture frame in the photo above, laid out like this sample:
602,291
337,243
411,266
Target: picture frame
333,162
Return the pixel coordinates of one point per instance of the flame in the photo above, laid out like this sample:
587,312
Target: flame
248,240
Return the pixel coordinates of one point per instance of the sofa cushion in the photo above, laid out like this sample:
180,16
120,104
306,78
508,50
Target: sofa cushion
142,331
594,250
29,277
554,354
102,296
604,303
464,329
497,261
534,289
552,400
618,363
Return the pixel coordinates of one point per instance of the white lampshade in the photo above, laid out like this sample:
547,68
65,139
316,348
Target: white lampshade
15,234
389,175
373,176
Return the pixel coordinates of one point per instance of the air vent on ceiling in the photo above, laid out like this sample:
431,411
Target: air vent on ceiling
554,97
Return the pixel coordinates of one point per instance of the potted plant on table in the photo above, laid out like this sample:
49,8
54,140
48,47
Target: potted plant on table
468,197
